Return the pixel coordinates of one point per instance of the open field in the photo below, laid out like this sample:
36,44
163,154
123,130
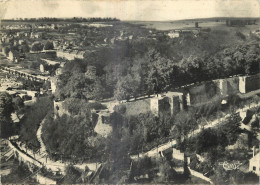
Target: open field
190,24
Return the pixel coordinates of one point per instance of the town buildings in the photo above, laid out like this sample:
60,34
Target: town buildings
254,163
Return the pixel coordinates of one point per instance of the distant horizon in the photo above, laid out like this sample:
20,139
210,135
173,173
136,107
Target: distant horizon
130,10
37,18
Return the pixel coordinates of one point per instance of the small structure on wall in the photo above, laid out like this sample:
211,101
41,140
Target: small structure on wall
254,163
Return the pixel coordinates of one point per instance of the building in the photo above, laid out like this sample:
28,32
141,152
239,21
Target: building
21,42
5,51
54,82
32,93
42,68
14,56
173,34
254,163
51,62
56,44
37,35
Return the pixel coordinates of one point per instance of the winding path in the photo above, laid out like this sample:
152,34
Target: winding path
39,137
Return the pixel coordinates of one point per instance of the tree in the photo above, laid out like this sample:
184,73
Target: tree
222,176
99,90
37,46
205,140
6,50
231,129
126,87
32,119
48,46
185,122
25,48
166,172
6,105
6,129
72,175
18,105
6,108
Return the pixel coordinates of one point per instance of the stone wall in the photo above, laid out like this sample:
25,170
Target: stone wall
140,106
171,102
203,92
232,85
44,180
200,175
249,83
23,157
163,105
228,86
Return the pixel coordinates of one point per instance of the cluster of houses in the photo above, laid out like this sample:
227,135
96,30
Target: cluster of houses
13,47
33,26
69,46
182,32
15,26
13,55
70,54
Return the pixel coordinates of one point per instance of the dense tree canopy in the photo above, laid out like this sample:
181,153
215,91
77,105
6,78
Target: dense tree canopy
32,119
37,46
6,109
48,46
128,71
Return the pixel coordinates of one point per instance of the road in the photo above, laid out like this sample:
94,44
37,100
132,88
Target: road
39,137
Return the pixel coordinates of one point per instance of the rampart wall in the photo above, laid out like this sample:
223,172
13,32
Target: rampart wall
249,83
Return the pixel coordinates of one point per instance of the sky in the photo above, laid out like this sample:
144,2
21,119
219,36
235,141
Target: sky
142,10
